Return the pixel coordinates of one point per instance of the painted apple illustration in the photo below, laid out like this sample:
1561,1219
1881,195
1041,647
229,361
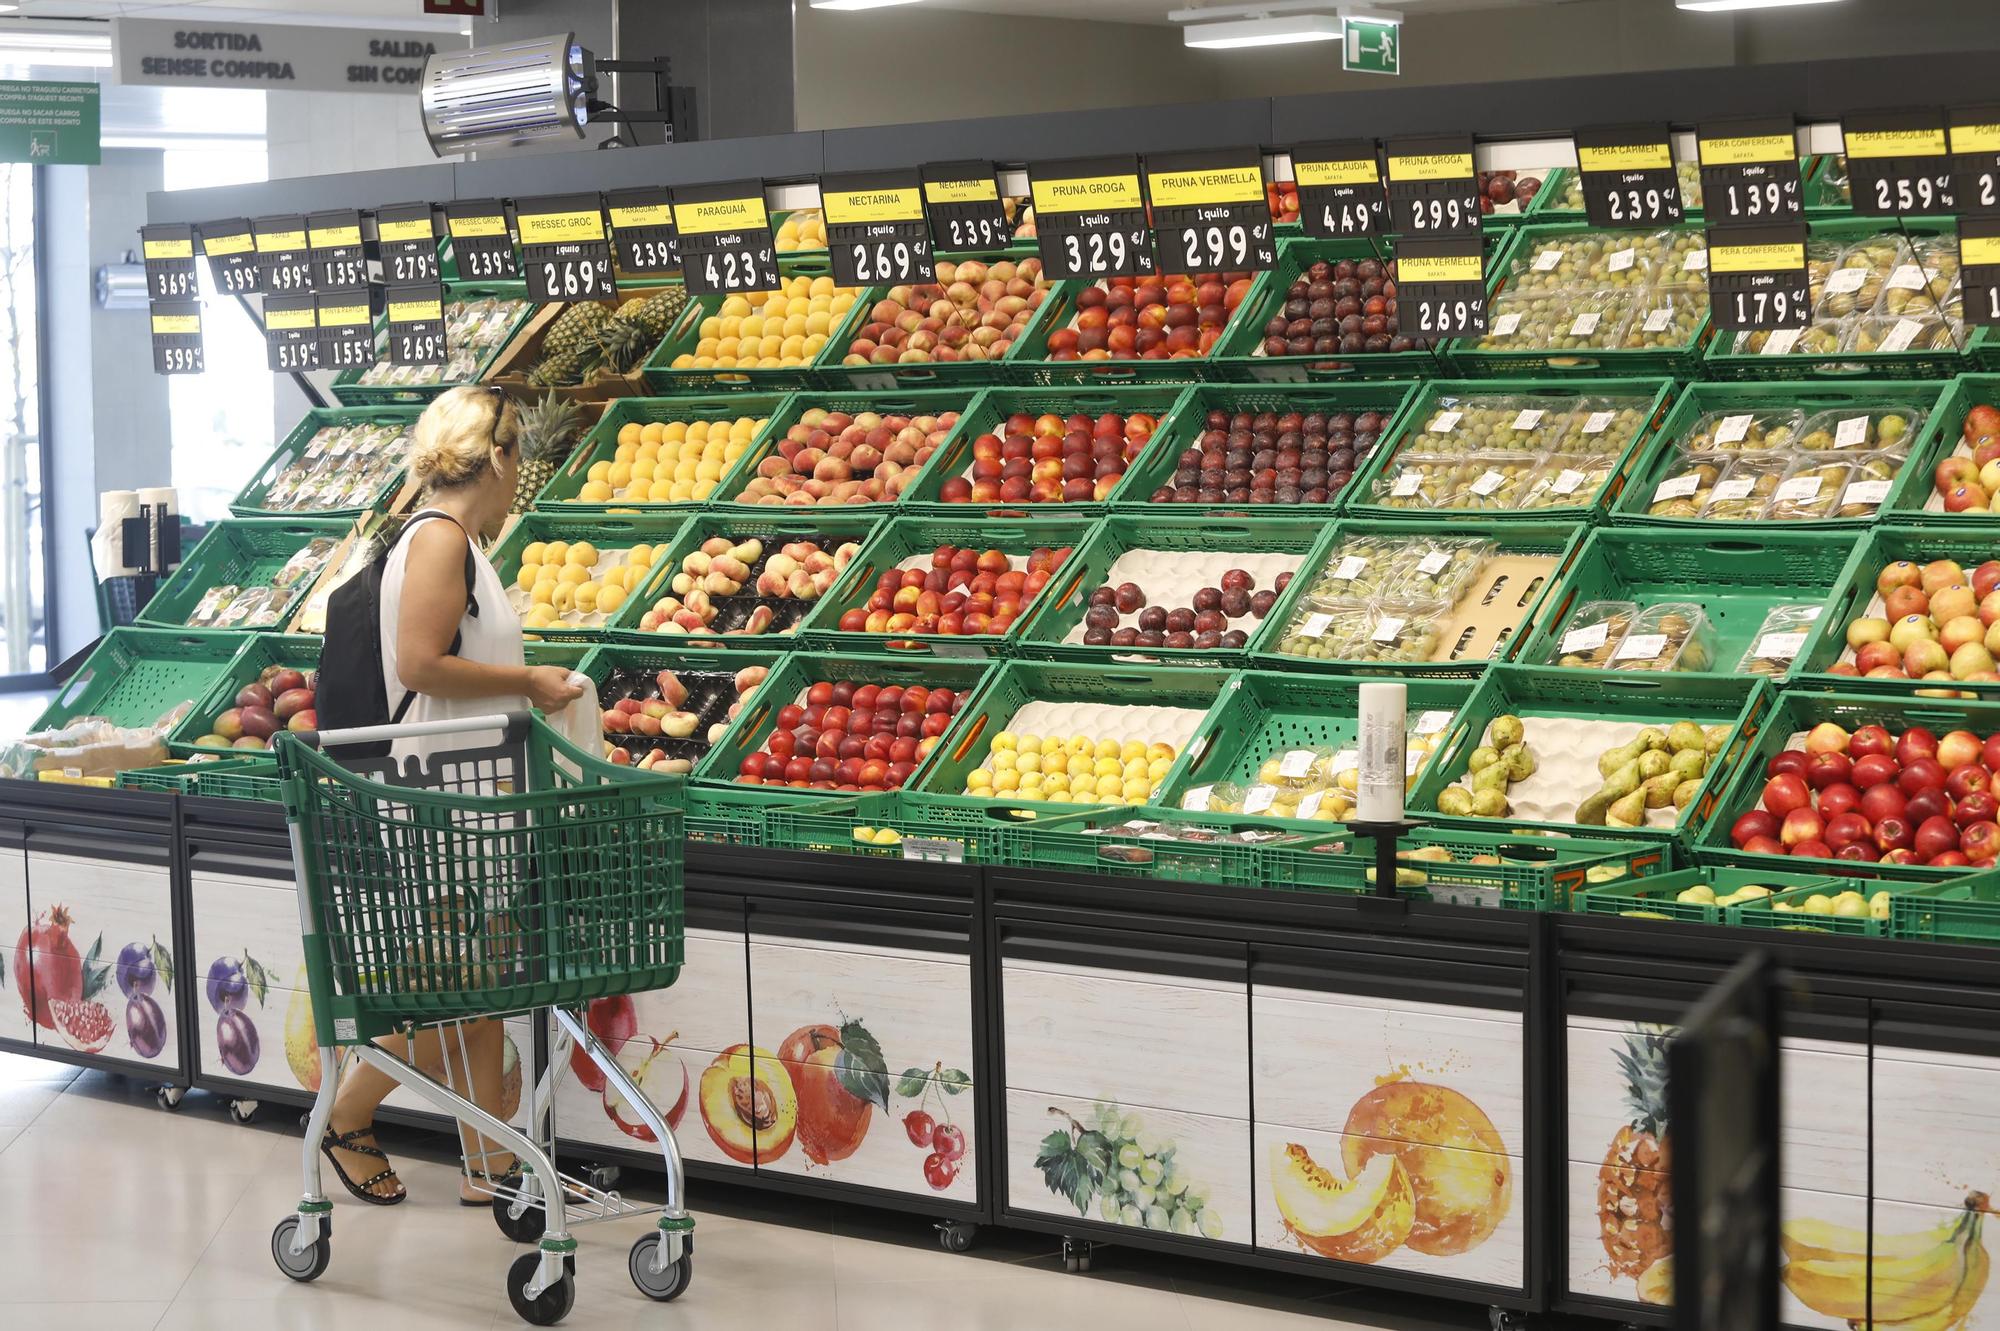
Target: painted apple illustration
841,1078
748,1105
1456,1162
661,1076
613,1021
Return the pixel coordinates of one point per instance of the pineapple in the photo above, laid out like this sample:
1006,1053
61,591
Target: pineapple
1634,1206
548,433
655,313
570,349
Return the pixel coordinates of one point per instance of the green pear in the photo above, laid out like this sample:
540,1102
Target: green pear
1519,760
1482,758
1686,735
1716,737
1685,792
1629,811
1652,738
1612,759
1623,782
1455,800
1490,804
1491,778
1659,790
1690,764
1505,731
1653,763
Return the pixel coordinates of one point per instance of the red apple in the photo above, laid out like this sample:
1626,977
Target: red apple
1962,497
1874,770
1828,768
1848,829
1958,748
1893,833
1786,792
1883,801
1870,739
1979,841
1838,799
1755,823
1802,824
1873,656
1954,472
1764,845
1963,781
1986,578
1930,802
1919,774
1789,760
1978,807
1902,573
1916,742
1813,850
1826,737
1860,852
1951,859
1935,836
1900,855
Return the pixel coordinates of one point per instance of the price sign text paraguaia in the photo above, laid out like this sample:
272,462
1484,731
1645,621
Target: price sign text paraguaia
564,248
726,242
964,205
1750,171
1340,189
1757,277
1433,190
232,256
876,231
1628,176
1209,212
643,236
406,237
1091,218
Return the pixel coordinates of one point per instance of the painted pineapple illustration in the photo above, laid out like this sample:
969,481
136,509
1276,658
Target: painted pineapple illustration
1634,1207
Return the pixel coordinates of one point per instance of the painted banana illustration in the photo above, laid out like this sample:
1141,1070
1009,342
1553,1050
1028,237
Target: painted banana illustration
1926,1281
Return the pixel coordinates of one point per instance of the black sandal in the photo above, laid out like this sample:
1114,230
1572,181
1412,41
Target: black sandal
351,1141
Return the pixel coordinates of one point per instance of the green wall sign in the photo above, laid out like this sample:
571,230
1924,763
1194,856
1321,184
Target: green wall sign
49,124
1369,46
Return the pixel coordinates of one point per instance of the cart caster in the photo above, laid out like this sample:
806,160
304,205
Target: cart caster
552,1304
527,1227
604,1178
170,1097
664,1285
1506,1319
243,1111
1076,1255
956,1235
301,1266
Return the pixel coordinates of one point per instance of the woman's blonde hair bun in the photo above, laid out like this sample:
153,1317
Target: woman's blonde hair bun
457,433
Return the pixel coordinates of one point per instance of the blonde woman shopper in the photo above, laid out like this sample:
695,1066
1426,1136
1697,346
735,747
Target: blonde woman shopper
452,654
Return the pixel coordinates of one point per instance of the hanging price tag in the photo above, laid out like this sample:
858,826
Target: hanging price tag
168,251
726,243
1209,211
416,324
876,233
291,332
1628,178
964,205
176,336
1974,132
1340,189
232,256
346,331
1433,190
284,260
1897,162
1979,274
1750,170
1441,286
406,236
1091,219
339,263
643,236
1757,276
480,242
565,252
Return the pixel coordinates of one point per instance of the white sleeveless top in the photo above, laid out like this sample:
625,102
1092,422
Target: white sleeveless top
493,637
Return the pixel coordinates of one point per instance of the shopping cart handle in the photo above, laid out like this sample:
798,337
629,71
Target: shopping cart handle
515,724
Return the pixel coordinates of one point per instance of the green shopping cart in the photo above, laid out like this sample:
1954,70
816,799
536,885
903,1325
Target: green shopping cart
517,874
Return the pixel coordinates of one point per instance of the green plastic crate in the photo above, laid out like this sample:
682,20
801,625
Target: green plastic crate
1562,540
726,815
663,380
788,682
1216,541
1407,436
1736,578
837,827
253,781
937,787
1964,910
1648,897
1113,842
135,676
561,494
179,776
248,553
253,501
1532,693
709,699
1028,364
918,402
1471,361
1661,457
259,651
606,532
1236,357
1156,467
1507,870
912,540
1798,711
347,385
988,415
1766,915
1855,594
1723,361
1944,434
829,372
775,527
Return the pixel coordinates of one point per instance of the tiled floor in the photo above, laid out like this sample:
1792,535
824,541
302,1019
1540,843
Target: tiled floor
116,1214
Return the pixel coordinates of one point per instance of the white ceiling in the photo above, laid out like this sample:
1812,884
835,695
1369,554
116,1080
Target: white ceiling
1156,11
401,14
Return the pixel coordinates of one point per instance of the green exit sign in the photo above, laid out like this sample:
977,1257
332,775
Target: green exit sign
1370,46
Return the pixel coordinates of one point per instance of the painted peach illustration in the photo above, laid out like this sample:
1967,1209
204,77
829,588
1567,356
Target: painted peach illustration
748,1105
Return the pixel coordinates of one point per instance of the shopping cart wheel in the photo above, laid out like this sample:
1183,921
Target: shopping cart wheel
170,1097
243,1111
659,1286
956,1235
307,1265
552,1305
1506,1319
524,1228
1076,1255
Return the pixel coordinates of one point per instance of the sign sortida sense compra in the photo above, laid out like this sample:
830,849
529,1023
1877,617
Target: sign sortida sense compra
270,56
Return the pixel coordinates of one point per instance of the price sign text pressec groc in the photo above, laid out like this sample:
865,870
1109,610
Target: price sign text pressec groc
1090,219
876,231
1433,189
726,242
346,331
167,250
643,236
406,235
1757,279
1441,286
1340,189
963,202
416,324
232,256
291,333
564,248
481,244
1209,212
1627,174
1750,171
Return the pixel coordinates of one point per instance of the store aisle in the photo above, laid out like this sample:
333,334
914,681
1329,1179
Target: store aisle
124,1217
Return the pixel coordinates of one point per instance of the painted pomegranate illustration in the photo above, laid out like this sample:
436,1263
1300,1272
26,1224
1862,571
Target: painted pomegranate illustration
47,966
85,1026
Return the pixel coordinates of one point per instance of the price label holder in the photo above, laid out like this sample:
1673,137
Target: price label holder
284,258
1750,171
416,324
1898,162
406,236
232,256
168,251
565,250
1974,132
1757,276
346,331
1091,218
176,336
963,202
1209,211
643,237
1441,285
1979,271
1433,190
1340,189
1628,177
876,231
339,260
480,241
291,332
726,243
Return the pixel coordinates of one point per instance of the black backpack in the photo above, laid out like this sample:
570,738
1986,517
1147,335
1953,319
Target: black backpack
351,689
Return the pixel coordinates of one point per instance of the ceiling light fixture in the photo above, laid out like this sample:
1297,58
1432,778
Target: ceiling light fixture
858,4
1725,6
1272,30
43,47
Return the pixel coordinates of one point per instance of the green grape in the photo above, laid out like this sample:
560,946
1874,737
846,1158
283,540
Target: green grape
1129,1180
1156,1217
1130,1156
1208,1222
1130,1127
1182,1221
1143,1195
1131,1215
1107,1206
1175,1183
1196,1197
1153,1144
1150,1173
1107,1118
